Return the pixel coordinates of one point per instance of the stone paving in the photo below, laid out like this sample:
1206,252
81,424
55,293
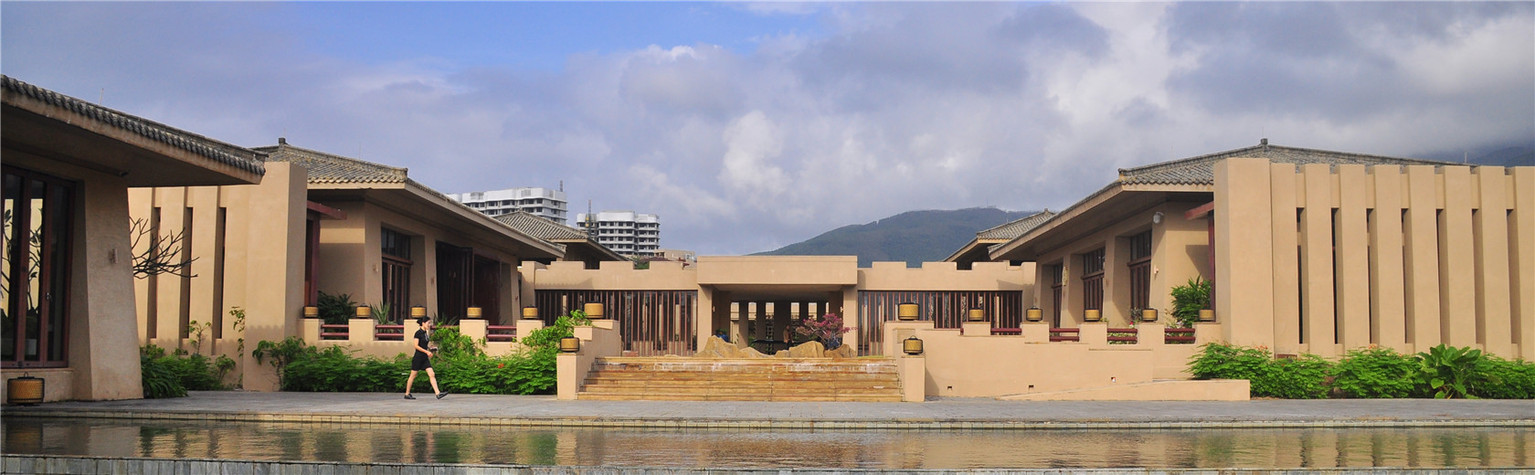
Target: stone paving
943,413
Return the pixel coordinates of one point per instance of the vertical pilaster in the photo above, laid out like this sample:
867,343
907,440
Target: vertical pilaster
1243,246
1286,259
1387,298
1494,328
1521,233
1319,320
1352,261
1420,258
1457,272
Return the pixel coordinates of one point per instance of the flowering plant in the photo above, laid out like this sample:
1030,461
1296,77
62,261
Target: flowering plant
827,328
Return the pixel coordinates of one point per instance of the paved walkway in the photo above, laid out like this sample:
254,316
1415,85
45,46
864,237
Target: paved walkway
946,413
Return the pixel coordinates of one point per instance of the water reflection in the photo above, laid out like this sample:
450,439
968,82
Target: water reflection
887,449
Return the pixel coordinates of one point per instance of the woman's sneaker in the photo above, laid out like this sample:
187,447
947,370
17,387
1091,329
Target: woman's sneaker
407,396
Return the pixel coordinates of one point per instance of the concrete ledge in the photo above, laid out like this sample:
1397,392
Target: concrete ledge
1186,390
63,464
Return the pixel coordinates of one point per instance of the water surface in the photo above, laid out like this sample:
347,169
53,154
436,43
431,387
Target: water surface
744,448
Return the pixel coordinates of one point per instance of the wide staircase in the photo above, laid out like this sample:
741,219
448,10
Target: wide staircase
757,379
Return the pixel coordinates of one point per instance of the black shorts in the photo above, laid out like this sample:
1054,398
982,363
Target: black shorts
420,362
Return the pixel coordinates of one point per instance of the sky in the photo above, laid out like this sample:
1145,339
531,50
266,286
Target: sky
750,126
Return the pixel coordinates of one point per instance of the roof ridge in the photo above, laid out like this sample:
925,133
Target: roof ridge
247,159
401,172
1016,221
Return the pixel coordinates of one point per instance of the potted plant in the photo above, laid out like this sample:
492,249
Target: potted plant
827,329
1188,300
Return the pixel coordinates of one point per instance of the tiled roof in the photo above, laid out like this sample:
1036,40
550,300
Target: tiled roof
327,168
1017,227
540,227
1201,170
227,154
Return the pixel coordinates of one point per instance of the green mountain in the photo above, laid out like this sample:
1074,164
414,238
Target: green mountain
913,236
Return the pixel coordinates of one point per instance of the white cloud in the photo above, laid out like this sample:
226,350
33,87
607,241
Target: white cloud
896,107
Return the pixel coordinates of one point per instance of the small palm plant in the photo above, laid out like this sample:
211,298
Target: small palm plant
1448,370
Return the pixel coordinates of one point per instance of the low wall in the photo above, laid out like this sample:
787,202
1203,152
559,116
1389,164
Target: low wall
361,337
971,362
597,341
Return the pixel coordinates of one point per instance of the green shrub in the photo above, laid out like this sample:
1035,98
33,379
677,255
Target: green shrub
1376,373
1448,371
159,380
460,363
1498,378
1189,299
335,309
1302,377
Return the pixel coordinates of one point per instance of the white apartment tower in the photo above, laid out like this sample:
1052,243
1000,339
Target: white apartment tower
628,233
542,202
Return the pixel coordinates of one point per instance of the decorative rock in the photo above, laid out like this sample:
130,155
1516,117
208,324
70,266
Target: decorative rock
844,351
750,352
781,354
809,349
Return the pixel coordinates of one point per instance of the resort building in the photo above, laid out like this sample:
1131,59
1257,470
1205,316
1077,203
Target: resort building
978,249
625,232
66,299
542,202
1308,251
320,222
577,244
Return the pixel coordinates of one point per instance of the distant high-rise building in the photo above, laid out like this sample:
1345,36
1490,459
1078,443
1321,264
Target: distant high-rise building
541,202
625,232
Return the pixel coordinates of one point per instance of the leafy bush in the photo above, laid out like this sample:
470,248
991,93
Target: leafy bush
1189,299
1498,378
460,363
1442,372
1447,370
335,309
159,380
1376,373
1302,377
172,375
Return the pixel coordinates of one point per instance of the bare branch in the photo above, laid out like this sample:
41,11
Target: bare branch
159,256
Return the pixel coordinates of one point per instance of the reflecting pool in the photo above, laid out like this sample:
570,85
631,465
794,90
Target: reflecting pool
739,448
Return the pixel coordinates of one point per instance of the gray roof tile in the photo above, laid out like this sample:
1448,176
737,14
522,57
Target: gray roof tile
540,227
1200,170
1016,227
242,158
328,168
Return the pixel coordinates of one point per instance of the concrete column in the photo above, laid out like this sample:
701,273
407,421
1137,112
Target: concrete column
1420,260
783,317
102,350
1521,232
1494,326
172,204
1319,320
1352,262
274,284
204,238
1071,291
1286,253
1116,281
1387,294
1459,319
759,319
359,330
1243,243
848,309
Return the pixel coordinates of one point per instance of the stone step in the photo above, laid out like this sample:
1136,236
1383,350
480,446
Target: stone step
756,379
728,397
745,389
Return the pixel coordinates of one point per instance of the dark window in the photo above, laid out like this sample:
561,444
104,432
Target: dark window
1140,270
1092,280
37,215
1057,280
396,250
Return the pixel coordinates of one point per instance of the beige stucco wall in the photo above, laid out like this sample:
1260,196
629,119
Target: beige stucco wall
1424,256
102,354
263,268
1180,251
